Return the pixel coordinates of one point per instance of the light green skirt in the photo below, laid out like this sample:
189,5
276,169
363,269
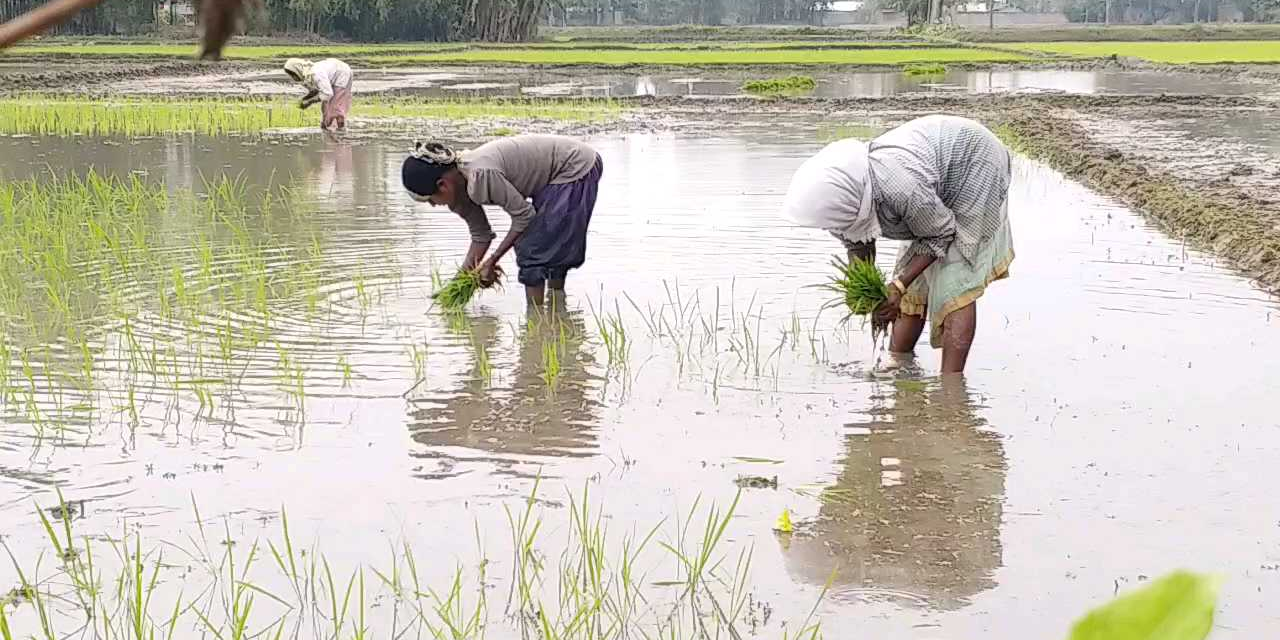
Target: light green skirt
952,283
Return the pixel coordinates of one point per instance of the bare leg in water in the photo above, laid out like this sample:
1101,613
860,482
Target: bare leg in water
557,294
958,330
906,333
536,295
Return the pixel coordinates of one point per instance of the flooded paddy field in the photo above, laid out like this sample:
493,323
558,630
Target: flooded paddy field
245,331
465,81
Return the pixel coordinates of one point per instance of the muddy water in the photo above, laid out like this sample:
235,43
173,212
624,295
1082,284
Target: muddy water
1116,422
513,81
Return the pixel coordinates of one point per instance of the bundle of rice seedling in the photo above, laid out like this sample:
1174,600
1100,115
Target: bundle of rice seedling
458,291
861,287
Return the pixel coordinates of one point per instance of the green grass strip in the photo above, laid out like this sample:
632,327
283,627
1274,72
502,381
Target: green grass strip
139,116
1255,51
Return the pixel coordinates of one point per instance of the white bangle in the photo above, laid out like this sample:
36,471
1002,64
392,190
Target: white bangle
897,283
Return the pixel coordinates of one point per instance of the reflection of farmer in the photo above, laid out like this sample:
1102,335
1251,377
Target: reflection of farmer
560,175
329,83
917,507
517,414
940,182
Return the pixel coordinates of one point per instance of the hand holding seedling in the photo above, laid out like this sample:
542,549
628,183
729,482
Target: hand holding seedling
312,98
489,273
889,310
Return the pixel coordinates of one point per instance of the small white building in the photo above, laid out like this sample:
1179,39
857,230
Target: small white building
178,13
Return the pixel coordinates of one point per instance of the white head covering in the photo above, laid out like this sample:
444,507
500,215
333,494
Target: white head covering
832,191
302,69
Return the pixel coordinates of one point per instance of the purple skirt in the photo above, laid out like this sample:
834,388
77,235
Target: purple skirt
556,239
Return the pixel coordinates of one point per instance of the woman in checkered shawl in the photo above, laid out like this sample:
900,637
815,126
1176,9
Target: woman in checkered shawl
940,183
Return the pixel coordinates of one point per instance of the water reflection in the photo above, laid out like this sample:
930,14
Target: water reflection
915,513
542,403
455,82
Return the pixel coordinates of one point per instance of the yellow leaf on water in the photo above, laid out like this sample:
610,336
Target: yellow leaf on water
783,525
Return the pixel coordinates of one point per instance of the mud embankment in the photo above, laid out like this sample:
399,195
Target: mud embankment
1240,225
97,76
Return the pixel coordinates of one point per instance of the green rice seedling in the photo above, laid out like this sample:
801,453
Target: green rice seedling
613,333
133,117
459,290
924,69
551,364
484,367
860,287
418,358
344,368
787,86
5,632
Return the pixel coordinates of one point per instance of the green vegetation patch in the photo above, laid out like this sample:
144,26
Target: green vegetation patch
52,115
145,116
1253,51
790,85
1119,33
928,69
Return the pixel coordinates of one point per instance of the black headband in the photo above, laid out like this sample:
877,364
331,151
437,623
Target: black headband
421,176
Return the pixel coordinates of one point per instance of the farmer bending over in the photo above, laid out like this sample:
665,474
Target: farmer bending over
329,83
940,182
560,175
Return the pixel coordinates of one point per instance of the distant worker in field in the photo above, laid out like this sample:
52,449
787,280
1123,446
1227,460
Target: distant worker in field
547,184
328,82
939,182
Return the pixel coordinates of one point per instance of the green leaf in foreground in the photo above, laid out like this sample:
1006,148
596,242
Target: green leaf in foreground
1178,606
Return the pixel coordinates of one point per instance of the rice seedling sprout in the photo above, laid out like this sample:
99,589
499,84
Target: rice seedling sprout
860,287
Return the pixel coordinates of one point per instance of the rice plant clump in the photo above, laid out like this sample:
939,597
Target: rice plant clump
458,291
860,284
924,69
790,85
861,287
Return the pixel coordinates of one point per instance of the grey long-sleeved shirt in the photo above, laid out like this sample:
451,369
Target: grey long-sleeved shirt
509,171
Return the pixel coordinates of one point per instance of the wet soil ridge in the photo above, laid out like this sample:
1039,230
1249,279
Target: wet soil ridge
100,75
1241,227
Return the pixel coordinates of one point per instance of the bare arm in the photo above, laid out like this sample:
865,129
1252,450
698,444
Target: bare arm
40,19
914,268
502,193
481,233
475,253
856,250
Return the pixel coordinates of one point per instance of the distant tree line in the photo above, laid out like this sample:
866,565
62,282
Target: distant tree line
1102,11
363,20
1168,11
707,12
378,20
109,17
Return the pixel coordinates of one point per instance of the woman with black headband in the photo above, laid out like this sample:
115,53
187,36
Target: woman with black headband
561,177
